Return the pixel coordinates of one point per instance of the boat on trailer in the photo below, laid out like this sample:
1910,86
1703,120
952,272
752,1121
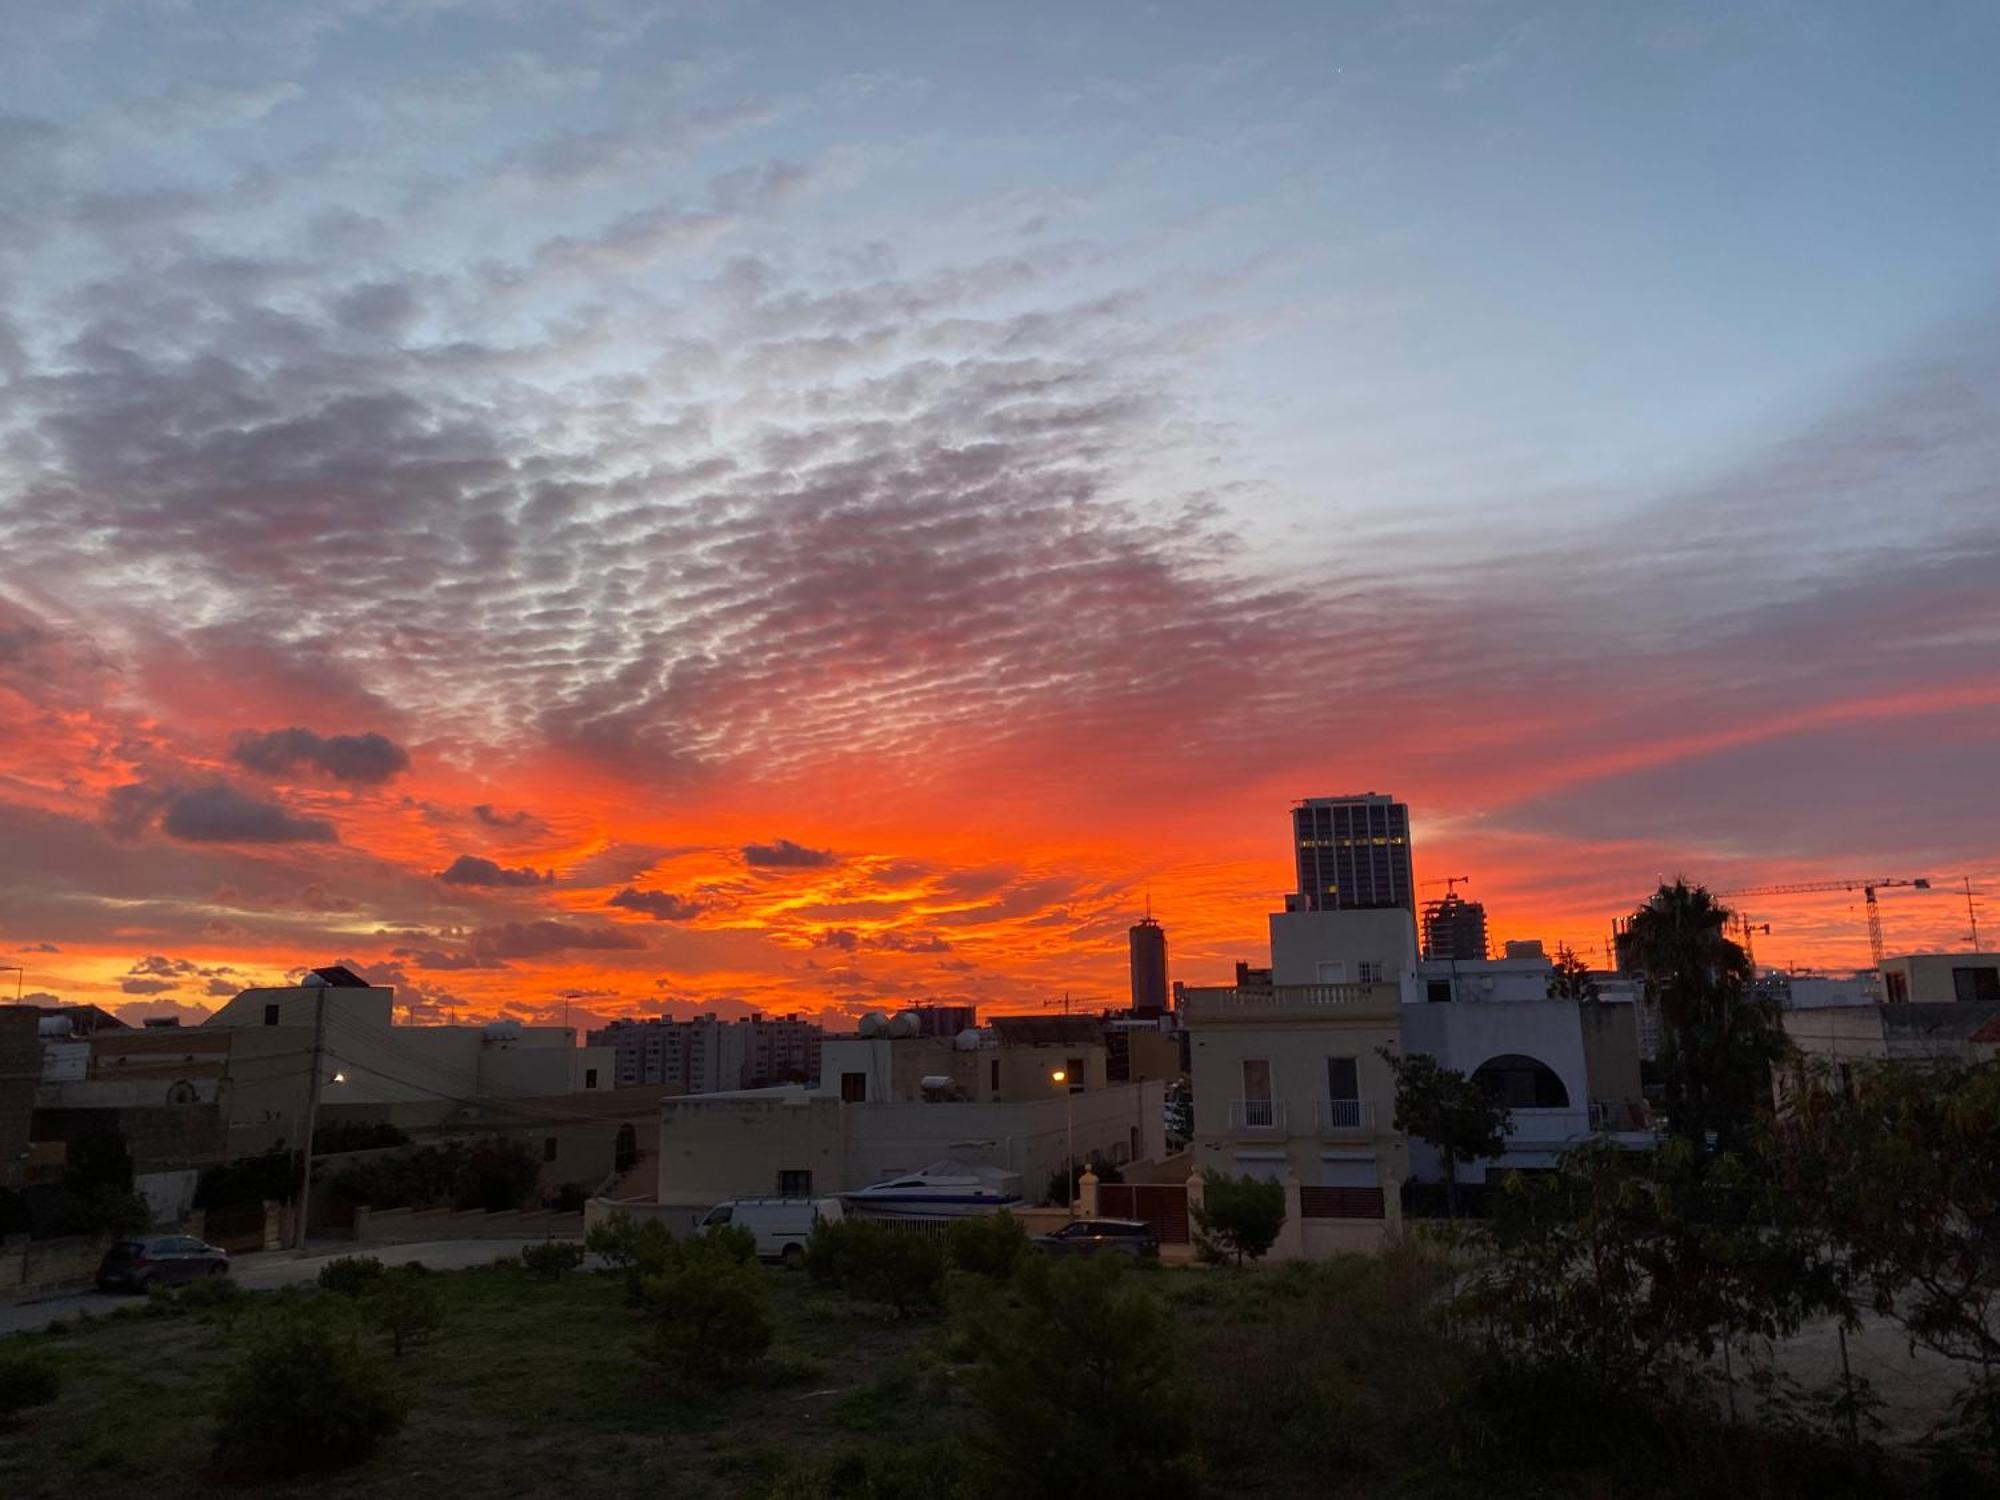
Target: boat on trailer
943,1190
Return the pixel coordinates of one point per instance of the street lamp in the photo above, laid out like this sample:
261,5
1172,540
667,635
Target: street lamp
1069,1136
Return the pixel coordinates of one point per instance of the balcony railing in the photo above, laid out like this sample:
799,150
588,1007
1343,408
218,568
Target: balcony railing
1257,1116
1223,998
1345,1116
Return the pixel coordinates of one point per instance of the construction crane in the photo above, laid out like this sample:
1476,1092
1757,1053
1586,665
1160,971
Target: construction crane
1747,927
1868,888
1451,883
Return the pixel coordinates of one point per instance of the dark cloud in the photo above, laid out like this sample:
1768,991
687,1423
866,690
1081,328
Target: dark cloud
471,869
538,938
661,906
847,940
214,814
492,817
156,974
363,759
786,855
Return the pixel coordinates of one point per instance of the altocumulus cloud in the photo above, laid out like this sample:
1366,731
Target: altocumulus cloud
471,869
786,855
364,759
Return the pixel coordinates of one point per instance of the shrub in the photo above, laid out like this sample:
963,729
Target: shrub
712,1315
730,1241
1065,1186
899,1267
351,1275
1079,1383
636,1250
548,1260
306,1396
406,1304
29,1376
571,1198
1238,1217
210,1291
989,1245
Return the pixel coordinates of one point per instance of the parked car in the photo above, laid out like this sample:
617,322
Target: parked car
136,1265
782,1225
1133,1237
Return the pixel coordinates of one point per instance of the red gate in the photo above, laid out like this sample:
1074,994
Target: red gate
1161,1204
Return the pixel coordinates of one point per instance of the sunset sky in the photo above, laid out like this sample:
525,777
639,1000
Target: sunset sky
711,505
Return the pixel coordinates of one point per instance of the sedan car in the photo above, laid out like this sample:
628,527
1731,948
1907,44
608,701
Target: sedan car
1133,1237
140,1264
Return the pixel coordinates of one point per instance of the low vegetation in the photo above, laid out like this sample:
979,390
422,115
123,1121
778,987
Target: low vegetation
1238,1218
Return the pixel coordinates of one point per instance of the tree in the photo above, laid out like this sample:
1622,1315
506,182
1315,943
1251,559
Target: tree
1720,1039
989,1245
712,1313
1077,1377
1905,1165
1570,977
1238,1216
406,1304
1063,1187
1441,1105
500,1172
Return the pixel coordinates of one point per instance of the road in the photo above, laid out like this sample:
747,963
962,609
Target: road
262,1271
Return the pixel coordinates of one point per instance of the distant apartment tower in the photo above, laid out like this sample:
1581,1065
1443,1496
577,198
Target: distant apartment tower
1455,928
706,1055
943,1020
1149,967
1353,853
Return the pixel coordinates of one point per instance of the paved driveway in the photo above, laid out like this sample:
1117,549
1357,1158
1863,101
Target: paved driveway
274,1268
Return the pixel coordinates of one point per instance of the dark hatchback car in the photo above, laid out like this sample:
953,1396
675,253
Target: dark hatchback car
1133,1237
136,1265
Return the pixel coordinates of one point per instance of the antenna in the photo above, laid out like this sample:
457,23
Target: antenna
1971,913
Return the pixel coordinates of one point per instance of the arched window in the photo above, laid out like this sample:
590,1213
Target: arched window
1521,1082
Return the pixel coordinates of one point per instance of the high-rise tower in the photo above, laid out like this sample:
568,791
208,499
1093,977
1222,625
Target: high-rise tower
1149,966
1353,852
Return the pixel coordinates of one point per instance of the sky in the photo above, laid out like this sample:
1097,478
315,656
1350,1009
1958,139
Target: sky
626,509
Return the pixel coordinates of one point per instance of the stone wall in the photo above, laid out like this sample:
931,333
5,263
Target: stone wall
408,1226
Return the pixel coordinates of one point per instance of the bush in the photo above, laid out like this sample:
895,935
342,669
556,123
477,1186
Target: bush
571,1198
1064,1187
548,1260
334,1136
1079,1383
351,1275
418,1178
989,1245
636,1250
271,1176
712,1315
306,1397
1238,1217
29,1376
406,1304
730,1241
210,1291
902,1268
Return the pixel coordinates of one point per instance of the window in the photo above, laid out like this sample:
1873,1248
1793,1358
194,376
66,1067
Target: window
996,1075
1522,1083
1348,1172
590,1078
795,1184
854,1088
1077,1077
1343,1078
549,1149
1438,991
1330,971
1899,987
1368,971
1975,984
271,1015
1257,1080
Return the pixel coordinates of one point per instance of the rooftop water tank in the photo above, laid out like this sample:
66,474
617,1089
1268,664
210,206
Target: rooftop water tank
967,1040
503,1031
55,1026
874,1024
904,1025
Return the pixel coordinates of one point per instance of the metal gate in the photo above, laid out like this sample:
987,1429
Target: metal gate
1161,1204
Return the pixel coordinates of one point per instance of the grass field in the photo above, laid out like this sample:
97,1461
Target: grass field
1300,1381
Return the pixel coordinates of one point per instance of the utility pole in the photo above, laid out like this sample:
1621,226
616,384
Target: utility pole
312,1121
1971,915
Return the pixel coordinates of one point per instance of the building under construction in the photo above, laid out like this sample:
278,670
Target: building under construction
1454,928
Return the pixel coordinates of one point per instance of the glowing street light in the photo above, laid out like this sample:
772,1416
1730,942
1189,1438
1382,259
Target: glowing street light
1069,1136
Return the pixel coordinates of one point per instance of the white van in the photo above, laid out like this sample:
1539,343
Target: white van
782,1225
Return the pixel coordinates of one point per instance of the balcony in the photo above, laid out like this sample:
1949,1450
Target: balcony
1256,1117
1345,1116
1290,1002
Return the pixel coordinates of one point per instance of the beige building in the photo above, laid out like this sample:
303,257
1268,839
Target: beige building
1289,1084
889,1105
1941,978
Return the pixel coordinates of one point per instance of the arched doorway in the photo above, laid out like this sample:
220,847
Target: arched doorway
1521,1082
627,1150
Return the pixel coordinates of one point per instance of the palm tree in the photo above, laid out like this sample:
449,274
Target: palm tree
1719,1040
